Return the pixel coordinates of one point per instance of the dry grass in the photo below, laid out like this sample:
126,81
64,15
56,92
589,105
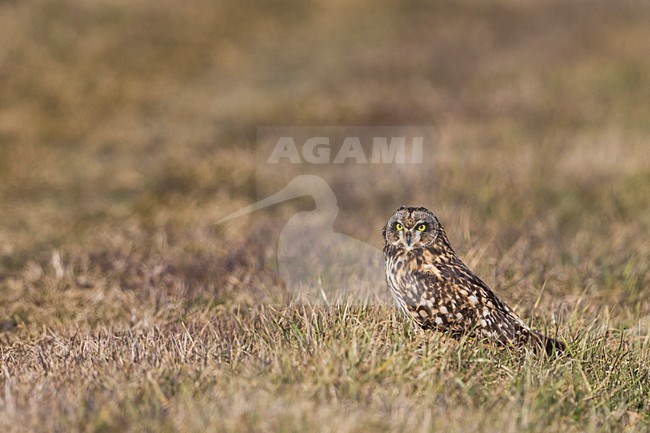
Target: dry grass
297,369
127,128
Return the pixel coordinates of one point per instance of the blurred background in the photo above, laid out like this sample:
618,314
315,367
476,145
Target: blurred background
127,128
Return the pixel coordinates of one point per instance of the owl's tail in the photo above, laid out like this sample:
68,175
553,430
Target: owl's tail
551,346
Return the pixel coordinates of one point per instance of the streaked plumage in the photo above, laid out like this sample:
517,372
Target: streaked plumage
435,288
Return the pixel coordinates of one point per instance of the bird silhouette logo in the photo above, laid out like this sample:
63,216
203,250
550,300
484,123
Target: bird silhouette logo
317,264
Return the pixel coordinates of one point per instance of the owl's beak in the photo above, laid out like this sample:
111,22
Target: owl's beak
408,239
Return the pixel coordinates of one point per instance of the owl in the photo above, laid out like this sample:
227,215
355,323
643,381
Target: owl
433,287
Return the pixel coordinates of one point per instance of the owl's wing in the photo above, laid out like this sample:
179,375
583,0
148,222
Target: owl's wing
461,301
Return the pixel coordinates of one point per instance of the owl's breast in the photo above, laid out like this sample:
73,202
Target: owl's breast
407,290
420,288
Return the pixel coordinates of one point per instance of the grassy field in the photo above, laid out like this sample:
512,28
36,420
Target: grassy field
128,128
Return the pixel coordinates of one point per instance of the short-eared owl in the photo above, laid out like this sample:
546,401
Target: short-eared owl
435,288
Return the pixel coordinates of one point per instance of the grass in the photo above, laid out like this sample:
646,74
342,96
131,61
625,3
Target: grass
329,369
128,129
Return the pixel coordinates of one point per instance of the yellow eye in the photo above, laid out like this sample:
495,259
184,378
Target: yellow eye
399,227
422,227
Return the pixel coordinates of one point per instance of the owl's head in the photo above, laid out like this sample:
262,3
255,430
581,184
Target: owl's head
411,227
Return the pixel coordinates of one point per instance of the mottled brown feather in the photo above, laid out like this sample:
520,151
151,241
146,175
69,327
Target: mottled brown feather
435,288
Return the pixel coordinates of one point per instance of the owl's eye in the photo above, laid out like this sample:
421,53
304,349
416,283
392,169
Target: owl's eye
399,227
422,227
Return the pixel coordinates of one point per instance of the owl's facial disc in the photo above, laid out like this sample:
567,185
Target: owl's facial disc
411,228
410,234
